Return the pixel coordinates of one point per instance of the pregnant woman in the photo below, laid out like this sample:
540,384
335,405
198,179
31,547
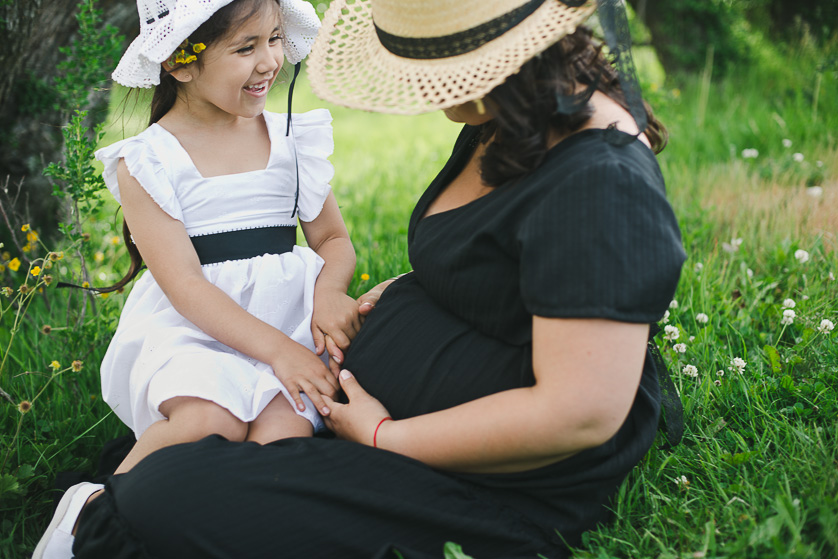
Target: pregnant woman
497,395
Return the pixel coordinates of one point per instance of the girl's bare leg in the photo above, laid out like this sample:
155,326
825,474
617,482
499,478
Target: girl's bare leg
189,420
278,421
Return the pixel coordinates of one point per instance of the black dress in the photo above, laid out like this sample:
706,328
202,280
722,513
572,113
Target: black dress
589,234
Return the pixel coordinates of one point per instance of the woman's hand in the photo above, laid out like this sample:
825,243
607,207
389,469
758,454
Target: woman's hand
367,301
357,420
335,324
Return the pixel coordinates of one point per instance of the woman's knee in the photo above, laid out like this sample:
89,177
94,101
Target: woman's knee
198,418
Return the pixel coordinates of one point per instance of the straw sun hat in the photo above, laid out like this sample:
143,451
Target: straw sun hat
416,56
164,24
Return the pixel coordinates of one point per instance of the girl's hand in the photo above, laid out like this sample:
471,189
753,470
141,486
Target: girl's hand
302,371
357,420
335,323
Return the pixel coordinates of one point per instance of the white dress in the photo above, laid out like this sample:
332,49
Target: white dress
156,354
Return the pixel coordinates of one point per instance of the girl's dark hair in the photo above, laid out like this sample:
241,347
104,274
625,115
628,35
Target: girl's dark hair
519,129
165,94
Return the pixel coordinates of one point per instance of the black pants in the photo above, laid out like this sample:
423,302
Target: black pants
306,497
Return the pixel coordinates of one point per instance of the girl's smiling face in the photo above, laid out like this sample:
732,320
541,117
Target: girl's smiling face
237,71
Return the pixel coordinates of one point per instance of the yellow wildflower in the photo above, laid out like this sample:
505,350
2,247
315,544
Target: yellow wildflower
99,256
104,295
25,227
114,240
14,265
76,366
32,236
36,271
55,365
85,284
2,268
365,277
27,248
24,406
6,255
56,255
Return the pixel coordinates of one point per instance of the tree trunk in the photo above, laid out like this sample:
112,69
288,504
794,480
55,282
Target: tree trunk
30,124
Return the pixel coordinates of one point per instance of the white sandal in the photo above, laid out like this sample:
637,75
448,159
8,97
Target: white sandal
57,541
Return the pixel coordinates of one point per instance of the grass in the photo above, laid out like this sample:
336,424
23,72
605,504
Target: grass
755,475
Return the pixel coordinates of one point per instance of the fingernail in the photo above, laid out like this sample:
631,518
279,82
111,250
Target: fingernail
301,407
336,358
325,411
368,305
345,375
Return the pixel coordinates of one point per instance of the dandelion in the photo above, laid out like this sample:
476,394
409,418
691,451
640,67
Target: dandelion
788,317
738,364
702,318
801,255
798,157
24,406
665,318
733,245
25,227
786,143
673,304
671,333
36,271
750,153
690,370
680,348
788,304
14,264
55,365
717,382
682,482
365,277
826,326
76,366
46,329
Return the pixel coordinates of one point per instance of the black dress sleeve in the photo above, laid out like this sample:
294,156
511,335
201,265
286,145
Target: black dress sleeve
603,243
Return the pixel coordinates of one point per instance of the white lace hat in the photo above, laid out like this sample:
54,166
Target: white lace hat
164,24
415,56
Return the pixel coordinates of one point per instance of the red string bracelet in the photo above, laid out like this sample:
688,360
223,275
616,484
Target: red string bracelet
375,435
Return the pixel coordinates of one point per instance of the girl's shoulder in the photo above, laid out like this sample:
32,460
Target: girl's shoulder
316,118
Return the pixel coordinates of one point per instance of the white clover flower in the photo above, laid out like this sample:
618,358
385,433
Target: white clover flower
690,371
671,333
798,157
692,338
788,317
673,304
814,191
750,153
826,326
680,348
733,245
698,267
682,482
702,318
786,143
830,276
819,163
720,373
665,318
788,304
750,273
739,364
801,255
717,382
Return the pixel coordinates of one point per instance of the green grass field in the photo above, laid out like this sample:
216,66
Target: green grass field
756,475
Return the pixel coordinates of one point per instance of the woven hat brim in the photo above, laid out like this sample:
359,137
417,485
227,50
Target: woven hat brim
348,65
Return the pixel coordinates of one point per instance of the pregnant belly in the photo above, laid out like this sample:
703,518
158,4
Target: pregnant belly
418,358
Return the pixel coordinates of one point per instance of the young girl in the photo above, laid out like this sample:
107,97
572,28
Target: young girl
222,335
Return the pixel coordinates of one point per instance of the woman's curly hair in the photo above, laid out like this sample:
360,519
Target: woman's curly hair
519,130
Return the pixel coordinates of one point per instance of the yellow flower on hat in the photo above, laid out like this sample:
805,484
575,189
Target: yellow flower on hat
198,47
189,59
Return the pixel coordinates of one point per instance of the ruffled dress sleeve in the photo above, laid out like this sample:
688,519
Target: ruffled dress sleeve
312,132
146,166
604,245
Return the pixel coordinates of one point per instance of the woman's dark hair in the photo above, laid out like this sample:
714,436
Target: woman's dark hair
165,94
519,130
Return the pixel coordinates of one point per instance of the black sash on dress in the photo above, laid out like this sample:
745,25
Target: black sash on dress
245,243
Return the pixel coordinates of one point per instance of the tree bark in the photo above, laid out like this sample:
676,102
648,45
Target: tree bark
30,125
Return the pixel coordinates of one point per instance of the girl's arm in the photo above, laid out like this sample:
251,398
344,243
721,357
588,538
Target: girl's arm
336,319
170,257
587,372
